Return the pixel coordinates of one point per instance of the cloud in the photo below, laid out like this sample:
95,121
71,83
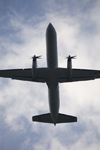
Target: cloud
78,34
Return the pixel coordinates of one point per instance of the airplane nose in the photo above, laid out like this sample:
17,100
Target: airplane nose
50,25
50,28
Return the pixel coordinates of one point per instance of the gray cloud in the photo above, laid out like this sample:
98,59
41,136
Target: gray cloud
78,34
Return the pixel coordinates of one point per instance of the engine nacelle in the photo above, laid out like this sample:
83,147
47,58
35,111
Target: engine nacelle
69,66
34,65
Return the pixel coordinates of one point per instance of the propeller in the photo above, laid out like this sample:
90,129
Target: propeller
71,57
36,57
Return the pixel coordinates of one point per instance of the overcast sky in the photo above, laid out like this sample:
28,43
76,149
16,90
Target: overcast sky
23,25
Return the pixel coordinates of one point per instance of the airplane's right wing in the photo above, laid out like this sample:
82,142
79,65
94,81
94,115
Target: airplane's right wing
18,74
78,75
25,74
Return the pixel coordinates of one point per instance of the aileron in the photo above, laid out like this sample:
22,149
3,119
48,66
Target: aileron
19,74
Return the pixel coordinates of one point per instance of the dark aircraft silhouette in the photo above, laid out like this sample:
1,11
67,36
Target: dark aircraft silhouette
52,76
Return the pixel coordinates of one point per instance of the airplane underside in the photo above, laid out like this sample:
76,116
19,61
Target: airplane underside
52,83
52,75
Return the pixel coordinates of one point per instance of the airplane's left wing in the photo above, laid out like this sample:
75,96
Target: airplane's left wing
18,74
84,74
78,75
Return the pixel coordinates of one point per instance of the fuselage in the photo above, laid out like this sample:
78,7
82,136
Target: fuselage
52,62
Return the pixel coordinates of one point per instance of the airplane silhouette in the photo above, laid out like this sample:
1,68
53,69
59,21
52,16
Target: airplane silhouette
52,76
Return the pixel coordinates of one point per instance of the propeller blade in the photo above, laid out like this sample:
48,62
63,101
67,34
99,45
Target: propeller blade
36,57
71,57
39,57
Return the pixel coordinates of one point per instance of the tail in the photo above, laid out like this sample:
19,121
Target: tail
46,118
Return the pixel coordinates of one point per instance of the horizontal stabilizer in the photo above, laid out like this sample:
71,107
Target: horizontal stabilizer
62,118
43,118
46,118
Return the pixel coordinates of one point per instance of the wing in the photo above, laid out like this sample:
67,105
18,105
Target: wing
18,74
25,74
78,75
42,74
84,74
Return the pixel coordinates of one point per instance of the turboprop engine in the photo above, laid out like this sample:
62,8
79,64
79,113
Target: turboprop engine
34,64
69,66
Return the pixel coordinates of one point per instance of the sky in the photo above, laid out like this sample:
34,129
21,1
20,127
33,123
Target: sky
23,26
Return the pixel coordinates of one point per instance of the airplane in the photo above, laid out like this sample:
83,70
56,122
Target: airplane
52,75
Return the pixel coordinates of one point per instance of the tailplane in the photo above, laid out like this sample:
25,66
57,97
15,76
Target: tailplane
62,118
